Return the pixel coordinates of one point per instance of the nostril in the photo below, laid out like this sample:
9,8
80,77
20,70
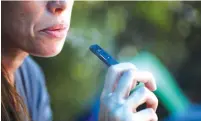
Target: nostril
56,7
58,10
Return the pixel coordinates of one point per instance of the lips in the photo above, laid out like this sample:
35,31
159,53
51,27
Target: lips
55,31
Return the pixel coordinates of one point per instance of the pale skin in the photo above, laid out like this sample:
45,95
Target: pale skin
22,25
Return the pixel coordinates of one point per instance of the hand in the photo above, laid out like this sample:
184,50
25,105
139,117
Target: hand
118,105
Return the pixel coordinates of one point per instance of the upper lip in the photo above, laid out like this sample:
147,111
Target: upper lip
55,27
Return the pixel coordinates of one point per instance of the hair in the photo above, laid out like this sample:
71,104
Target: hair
12,105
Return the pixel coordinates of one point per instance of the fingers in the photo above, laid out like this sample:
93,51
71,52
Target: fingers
140,96
145,115
128,81
114,73
122,82
147,78
125,84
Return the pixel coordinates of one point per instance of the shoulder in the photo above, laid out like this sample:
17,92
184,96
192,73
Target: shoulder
34,88
30,79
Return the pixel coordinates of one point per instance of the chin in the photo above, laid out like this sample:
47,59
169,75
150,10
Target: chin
50,54
49,51
46,54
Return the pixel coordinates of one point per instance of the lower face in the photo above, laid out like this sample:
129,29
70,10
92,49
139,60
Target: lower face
47,44
24,26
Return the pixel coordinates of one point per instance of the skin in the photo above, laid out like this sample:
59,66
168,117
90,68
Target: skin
22,23
117,105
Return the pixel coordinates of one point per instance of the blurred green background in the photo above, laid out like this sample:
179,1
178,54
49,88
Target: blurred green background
169,30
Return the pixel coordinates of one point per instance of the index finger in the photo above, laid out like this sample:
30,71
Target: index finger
147,78
113,74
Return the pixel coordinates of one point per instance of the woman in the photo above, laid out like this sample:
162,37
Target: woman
39,28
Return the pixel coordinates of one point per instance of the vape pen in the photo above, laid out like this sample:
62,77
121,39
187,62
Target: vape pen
103,56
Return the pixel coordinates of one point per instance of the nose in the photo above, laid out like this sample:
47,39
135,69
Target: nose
57,7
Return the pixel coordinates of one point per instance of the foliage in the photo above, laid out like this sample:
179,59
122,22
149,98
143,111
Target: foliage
170,30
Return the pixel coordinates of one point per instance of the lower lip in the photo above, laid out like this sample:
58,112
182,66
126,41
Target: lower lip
56,33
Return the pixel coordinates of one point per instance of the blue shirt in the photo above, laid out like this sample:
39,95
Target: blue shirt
30,85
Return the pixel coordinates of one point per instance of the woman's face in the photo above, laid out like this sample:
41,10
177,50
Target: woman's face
37,27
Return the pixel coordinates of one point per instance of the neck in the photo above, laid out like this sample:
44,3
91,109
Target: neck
12,58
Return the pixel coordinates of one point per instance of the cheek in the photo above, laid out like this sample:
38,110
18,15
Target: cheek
16,34
13,29
17,26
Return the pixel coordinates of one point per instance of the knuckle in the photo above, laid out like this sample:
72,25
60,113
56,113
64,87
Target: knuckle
131,65
106,99
115,99
111,103
112,69
150,75
122,66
